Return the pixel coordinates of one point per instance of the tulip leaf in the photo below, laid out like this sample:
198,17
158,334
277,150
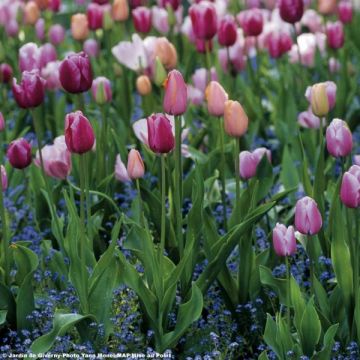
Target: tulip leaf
325,352
3,314
278,285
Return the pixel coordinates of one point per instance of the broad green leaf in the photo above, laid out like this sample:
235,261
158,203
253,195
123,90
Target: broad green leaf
325,352
278,285
270,336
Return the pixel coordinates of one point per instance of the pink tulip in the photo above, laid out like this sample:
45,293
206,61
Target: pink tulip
335,35
307,119
334,65
160,135
94,15
91,47
250,160
47,53
279,43
135,165
312,20
350,187
56,34
204,20
284,240
160,19
142,19
216,97
338,138
56,158
200,78
345,11
308,219
251,21
4,179
40,29
50,73
121,173
19,153
175,98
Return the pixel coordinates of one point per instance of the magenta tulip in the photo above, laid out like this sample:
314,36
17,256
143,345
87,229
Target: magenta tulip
338,138
251,21
56,34
204,20
308,219
19,153
279,43
350,187
291,11
79,134
335,35
175,99
284,240
142,19
160,136
30,92
6,73
54,5
94,15
345,11
227,32
76,73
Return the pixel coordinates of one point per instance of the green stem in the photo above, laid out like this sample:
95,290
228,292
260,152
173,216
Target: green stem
288,278
163,209
237,169
83,243
87,194
222,172
310,247
208,59
142,218
5,239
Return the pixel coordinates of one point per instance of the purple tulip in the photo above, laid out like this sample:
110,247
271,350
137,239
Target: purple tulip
291,11
284,240
350,187
95,15
6,73
142,19
345,11
204,20
56,34
91,47
175,99
335,35
308,219
76,73
19,153
338,138
251,21
227,32
30,92
160,136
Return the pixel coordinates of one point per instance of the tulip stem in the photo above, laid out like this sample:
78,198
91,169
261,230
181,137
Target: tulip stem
178,185
237,170
288,278
82,209
142,219
5,237
163,209
208,59
222,172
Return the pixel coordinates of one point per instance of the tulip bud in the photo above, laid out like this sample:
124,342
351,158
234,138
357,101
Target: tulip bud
91,47
32,13
345,11
79,134
166,52
30,92
2,122
6,73
251,21
121,173
143,85
338,138
350,187
142,19
56,34
79,27
135,165
160,136
308,120
94,15
204,20
335,35
284,240
159,73
308,219
101,90
291,11
279,43
322,97
19,153
175,99
120,10
40,29
249,161
215,96
227,32
4,180
54,5
327,7
76,73
47,53
235,119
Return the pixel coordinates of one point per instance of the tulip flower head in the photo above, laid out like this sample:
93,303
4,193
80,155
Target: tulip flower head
308,220
235,119
350,187
251,21
160,136
79,27
322,97
6,73
216,97
142,19
335,35
284,240
175,99
101,90
291,11
345,11
227,32
135,165
249,161
338,138
19,153
204,20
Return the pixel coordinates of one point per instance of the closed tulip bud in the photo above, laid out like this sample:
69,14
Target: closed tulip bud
91,47
338,138
307,119
19,153
335,35
235,119
142,19
160,136
54,5
79,134
279,43
319,99
345,11
204,20
4,180
175,99
308,219
143,85
2,122
350,187
166,52
40,29
56,34
32,13
76,73
79,27
30,92
135,165
291,11
284,240
6,73
215,97
94,15
101,90
327,7
121,173
160,74
251,21
227,32
120,10
249,161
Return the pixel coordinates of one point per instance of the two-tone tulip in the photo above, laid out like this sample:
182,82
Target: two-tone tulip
160,136
101,90
284,240
175,99
142,19
227,32
350,187
338,138
204,20
322,97
19,153
308,220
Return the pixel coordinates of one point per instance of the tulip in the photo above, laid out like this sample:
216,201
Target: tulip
227,32
95,16
166,52
121,173
216,97
175,99
91,47
235,119
30,92
120,10
345,11
2,122
6,73
76,73
50,73
101,90
291,11
284,240
40,29
279,43
308,120
204,20
160,136
350,187
4,180
56,34
19,153
250,160
54,5
143,85
79,27
142,19
308,219
251,21
135,165
47,53
200,76
79,134
327,7
338,138
12,28
160,19
29,57
322,97
42,4
32,13
335,35
174,4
